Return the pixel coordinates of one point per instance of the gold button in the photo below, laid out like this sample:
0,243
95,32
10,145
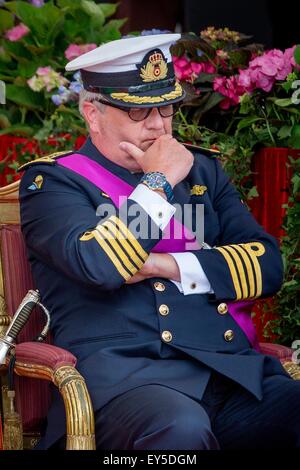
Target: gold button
228,335
166,336
163,309
193,285
159,286
222,309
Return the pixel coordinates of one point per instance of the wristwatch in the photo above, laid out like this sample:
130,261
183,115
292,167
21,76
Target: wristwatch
157,181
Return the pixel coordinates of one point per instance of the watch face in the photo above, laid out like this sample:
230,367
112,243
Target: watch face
156,180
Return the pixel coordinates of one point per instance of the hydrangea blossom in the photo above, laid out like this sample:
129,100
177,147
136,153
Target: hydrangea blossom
47,78
230,89
68,94
186,70
75,50
264,70
17,32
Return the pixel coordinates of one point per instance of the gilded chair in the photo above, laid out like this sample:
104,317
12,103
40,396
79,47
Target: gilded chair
37,364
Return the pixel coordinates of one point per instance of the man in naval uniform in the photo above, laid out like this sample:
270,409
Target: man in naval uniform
159,322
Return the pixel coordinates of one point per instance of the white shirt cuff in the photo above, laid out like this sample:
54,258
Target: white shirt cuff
160,210
193,279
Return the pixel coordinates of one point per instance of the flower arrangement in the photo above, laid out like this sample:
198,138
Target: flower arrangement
237,88
239,98
37,39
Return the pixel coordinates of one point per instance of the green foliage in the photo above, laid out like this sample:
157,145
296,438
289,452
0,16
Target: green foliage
287,325
52,28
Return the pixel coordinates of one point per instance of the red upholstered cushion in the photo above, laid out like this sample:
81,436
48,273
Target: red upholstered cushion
32,395
282,352
44,354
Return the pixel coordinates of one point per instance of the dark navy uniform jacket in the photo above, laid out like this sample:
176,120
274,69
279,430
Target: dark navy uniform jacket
116,329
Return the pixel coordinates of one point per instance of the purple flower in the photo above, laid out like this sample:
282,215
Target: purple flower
37,3
76,87
57,99
149,32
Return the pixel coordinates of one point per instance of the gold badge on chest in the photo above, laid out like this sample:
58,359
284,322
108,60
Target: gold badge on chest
198,190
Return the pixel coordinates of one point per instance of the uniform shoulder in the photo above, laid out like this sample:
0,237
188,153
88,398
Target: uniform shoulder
46,160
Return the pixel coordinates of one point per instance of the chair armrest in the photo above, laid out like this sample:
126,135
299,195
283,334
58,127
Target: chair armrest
44,361
284,354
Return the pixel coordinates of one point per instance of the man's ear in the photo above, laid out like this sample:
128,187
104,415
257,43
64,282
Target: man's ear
91,115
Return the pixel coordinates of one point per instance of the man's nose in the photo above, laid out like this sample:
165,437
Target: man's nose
154,120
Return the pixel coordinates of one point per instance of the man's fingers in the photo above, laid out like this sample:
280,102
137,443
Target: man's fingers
131,149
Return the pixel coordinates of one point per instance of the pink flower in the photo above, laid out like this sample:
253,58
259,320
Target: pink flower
75,50
264,70
188,71
230,88
289,56
208,68
43,71
16,33
197,67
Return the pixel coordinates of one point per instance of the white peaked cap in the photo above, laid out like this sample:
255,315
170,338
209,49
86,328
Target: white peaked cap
122,54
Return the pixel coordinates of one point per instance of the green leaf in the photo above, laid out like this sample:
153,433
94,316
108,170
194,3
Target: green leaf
252,193
6,20
297,54
109,9
205,77
41,21
284,132
94,11
213,100
27,69
4,57
110,31
18,129
11,6
17,50
4,121
294,141
66,4
248,121
283,102
24,96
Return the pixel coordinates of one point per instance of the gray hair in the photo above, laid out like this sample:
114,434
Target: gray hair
85,95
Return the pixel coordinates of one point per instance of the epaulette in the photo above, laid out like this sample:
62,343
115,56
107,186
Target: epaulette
208,152
47,159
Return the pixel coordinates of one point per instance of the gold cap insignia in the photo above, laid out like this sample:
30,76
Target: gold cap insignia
155,69
198,190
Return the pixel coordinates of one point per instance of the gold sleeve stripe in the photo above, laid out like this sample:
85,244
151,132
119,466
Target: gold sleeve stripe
117,248
241,270
232,269
254,254
111,255
124,243
245,256
244,268
129,236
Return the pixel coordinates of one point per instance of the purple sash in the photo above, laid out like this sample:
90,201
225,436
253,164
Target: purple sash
115,187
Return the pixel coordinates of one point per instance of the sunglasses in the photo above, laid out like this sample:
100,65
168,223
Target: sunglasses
139,114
